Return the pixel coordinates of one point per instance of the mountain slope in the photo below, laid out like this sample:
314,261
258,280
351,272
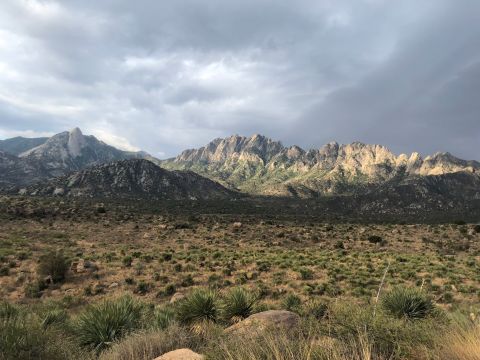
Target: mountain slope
16,171
18,145
262,166
136,178
72,151
58,155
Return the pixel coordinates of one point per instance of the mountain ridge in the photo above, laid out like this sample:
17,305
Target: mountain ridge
261,165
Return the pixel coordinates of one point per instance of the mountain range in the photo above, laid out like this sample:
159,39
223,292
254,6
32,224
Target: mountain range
73,164
260,165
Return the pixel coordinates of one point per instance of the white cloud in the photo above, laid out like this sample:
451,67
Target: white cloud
114,140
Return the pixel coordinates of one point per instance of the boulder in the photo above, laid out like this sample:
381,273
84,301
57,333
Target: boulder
181,354
266,319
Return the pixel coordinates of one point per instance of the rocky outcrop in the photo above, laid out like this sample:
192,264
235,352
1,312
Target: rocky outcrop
134,178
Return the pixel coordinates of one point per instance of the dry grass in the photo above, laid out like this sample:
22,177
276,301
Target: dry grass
461,344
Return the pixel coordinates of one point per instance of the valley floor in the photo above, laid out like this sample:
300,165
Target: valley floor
289,260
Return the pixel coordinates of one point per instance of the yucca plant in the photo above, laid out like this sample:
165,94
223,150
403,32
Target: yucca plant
199,308
54,316
238,304
163,317
408,303
100,325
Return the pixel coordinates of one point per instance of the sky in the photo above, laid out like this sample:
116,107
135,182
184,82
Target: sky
164,76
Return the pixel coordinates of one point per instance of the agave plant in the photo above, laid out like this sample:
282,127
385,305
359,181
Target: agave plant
408,303
238,304
100,325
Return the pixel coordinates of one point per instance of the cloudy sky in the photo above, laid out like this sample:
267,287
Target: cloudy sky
173,74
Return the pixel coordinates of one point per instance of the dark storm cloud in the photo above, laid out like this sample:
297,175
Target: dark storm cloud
168,75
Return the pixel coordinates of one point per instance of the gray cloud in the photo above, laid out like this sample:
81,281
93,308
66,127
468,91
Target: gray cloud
168,75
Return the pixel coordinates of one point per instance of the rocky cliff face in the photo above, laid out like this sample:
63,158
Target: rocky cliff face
261,165
134,178
56,156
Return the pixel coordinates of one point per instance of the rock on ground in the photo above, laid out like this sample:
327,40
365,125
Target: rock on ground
181,354
264,320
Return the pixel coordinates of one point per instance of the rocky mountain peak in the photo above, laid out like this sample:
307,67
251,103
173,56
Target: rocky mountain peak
76,142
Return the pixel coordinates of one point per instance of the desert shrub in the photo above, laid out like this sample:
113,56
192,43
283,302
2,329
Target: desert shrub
54,317
163,317
4,270
34,289
200,306
8,311
292,302
170,289
317,309
142,287
127,261
238,304
22,337
100,325
408,303
55,265
306,274
187,281
375,239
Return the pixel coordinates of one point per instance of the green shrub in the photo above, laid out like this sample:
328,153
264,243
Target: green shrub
292,302
375,239
55,265
100,325
34,290
163,317
306,274
8,311
408,303
238,305
200,306
318,310
127,261
53,317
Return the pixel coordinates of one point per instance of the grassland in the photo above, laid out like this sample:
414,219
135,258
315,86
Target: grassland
286,259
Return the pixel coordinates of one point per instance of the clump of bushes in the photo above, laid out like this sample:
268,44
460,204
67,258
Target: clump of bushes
54,265
408,303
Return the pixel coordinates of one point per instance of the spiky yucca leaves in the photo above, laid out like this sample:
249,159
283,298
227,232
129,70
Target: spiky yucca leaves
199,310
54,316
100,325
408,303
238,304
163,317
